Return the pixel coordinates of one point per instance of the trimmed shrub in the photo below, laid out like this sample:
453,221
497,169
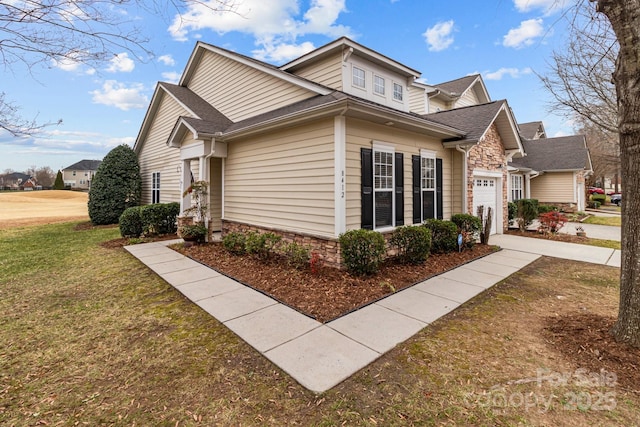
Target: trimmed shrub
444,235
602,198
470,226
234,242
413,244
593,205
261,244
512,207
527,212
551,222
194,232
116,186
159,218
297,256
362,251
130,222
59,183
543,209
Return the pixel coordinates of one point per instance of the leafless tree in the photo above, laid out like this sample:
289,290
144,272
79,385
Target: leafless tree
624,17
33,32
604,149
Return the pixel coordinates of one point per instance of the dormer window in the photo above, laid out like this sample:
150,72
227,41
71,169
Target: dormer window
378,85
397,92
358,77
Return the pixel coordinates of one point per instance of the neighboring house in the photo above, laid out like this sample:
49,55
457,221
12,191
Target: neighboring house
341,138
14,180
553,170
79,175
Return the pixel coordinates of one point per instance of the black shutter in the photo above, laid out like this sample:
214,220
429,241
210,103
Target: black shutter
399,180
439,188
366,196
417,202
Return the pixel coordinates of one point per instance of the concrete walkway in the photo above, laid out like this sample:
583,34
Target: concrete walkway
320,356
594,231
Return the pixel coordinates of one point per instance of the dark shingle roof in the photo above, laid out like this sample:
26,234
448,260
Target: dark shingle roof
200,107
458,86
529,130
474,120
85,165
555,154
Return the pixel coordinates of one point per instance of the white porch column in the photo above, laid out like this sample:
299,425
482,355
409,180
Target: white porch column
340,207
527,186
203,169
185,182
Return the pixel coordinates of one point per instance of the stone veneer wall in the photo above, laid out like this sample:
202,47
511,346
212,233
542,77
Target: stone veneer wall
327,248
488,155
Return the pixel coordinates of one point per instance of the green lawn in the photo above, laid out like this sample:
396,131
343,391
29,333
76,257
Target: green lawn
90,336
604,220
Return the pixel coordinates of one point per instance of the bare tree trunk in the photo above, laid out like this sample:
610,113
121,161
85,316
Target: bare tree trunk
624,16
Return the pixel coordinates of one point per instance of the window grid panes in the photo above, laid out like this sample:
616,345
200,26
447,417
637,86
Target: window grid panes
428,173
378,86
155,187
383,188
397,92
358,77
516,187
383,170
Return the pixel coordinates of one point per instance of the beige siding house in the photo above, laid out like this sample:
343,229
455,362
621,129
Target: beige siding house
341,138
79,175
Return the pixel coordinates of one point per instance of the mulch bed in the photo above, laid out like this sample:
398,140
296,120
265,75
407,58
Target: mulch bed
330,293
585,338
559,237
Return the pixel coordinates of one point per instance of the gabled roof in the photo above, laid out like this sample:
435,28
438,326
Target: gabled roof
475,121
344,45
532,130
85,165
458,87
567,153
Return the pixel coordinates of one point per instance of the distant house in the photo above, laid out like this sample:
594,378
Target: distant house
79,175
13,180
553,170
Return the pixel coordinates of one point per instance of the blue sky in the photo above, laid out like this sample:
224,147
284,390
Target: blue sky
507,41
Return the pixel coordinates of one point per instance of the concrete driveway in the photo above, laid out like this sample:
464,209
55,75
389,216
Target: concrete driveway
594,231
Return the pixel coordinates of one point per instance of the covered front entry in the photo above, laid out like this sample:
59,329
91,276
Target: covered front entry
485,193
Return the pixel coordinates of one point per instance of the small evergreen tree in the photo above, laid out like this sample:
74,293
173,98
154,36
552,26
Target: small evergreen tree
116,186
59,183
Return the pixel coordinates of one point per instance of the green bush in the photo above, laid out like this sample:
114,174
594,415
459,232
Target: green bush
261,244
593,205
59,183
297,256
197,232
543,209
512,207
470,226
602,198
130,222
412,242
115,187
526,213
159,218
234,242
444,235
362,251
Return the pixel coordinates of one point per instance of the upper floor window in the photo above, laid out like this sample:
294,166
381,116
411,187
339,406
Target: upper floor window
378,85
74,173
397,92
358,77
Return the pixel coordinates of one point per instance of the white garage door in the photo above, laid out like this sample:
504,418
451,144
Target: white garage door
484,194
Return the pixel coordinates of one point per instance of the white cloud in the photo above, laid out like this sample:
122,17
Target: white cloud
439,36
514,73
167,60
121,63
282,52
118,95
171,77
547,6
272,23
524,35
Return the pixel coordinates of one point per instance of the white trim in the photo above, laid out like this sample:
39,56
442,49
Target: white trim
339,159
195,151
224,159
428,153
382,146
487,173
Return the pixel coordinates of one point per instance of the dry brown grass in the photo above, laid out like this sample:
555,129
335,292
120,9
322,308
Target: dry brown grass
41,207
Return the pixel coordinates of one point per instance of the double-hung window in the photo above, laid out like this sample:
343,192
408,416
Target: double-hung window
428,184
516,187
397,92
155,187
358,77
378,85
383,188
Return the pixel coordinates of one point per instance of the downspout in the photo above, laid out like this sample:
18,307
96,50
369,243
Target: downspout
465,178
